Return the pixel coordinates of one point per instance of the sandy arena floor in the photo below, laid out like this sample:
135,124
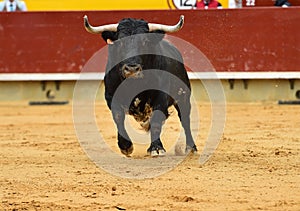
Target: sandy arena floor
255,167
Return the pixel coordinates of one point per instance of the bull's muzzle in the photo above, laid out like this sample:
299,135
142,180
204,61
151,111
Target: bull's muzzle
132,71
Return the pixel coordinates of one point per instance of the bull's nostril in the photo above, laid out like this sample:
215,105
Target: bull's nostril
127,68
138,68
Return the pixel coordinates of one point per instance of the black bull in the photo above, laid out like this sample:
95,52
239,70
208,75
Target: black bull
145,75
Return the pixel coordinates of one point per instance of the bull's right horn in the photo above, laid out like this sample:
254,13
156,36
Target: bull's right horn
98,29
167,28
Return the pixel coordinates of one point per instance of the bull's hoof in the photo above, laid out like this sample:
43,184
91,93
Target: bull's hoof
156,149
190,149
128,151
125,146
157,153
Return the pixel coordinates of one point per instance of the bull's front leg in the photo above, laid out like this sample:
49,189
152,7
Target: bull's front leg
124,141
184,111
158,117
156,148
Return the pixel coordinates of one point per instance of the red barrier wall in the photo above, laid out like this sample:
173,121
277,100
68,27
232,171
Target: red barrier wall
263,39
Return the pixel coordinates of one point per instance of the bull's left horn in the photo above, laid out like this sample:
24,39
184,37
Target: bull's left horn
167,28
98,29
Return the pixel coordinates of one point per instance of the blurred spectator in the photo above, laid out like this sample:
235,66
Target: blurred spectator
12,6
250,2
282,3
235,4
207,4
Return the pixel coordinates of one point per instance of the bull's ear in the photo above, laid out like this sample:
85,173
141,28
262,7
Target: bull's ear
157,36
109,37
109,42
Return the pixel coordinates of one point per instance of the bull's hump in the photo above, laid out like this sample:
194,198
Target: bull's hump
131,26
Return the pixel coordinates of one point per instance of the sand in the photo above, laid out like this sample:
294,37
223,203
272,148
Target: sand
255,167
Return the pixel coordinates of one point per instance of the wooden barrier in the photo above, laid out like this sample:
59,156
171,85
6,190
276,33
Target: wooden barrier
234,41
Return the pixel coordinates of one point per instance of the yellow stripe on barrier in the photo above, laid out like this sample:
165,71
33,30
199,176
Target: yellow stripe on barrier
50,5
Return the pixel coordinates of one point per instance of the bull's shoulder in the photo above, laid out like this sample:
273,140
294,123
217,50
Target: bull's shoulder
169,50
175,62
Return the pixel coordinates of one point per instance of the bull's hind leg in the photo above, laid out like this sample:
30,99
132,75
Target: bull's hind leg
124,141
184,115
156,148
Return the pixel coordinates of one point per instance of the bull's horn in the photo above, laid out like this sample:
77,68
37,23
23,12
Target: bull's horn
98,29
167,28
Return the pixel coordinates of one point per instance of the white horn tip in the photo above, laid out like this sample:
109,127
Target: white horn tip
182,19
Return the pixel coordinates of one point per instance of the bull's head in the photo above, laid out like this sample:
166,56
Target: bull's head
128,40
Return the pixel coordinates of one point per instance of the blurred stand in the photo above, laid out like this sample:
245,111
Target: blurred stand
13,6
235,4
